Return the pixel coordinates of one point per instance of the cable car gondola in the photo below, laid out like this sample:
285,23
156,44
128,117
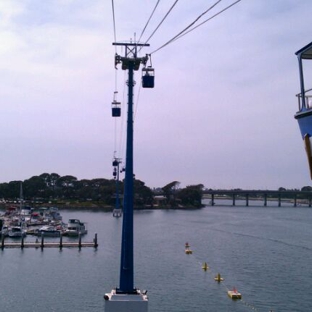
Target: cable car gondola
304,114
116,110
148,77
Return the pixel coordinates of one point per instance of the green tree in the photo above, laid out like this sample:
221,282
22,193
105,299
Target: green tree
34,187
66,186
143,195
191,195
306,189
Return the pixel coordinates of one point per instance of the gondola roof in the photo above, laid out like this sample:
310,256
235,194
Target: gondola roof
305,52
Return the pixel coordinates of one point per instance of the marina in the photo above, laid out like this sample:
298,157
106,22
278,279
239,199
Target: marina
20,223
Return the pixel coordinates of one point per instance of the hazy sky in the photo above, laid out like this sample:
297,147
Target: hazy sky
221,112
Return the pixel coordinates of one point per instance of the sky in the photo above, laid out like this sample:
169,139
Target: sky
221,113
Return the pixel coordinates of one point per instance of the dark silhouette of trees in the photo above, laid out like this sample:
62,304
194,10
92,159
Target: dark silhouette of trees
143,195
170,192
306,189
52,187
191,195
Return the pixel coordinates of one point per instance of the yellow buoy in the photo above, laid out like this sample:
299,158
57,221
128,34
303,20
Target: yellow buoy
218,278
188,251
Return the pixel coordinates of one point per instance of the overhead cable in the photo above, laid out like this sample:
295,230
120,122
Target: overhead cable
114,22
148,20
161,21
114,25
184,33
185,29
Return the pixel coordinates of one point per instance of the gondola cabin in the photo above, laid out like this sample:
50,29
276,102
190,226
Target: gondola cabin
304,114
148,77
116,110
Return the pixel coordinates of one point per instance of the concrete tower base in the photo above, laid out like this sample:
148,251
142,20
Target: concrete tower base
126,302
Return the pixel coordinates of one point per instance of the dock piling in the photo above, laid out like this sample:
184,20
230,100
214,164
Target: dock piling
95,241
43,244
79,243
42,241
61,241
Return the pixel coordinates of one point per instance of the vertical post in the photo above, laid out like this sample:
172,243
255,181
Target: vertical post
117,186
303,103
61,241
265,199
95,241
233,199
212,200
279,199
22,243
79,240
42,240
295,200
2,241
126,267
247,200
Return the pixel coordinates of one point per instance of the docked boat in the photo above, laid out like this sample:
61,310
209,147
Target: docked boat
26,211
205,266
16,232
4,231
48,231
75,227
55,214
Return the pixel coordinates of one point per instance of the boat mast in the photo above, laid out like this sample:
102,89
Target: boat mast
21,200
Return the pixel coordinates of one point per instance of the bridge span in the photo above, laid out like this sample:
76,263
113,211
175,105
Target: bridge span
296,197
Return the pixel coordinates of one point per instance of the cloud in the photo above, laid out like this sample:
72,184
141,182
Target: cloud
221,112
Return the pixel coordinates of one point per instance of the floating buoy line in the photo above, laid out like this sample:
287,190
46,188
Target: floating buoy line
233,293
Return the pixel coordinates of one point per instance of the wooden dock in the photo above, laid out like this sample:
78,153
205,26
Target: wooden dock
42,244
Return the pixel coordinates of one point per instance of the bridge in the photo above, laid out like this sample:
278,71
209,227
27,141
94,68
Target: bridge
295,197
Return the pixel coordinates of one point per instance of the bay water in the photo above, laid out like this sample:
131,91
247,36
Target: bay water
264,252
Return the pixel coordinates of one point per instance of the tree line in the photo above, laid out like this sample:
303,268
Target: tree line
51,187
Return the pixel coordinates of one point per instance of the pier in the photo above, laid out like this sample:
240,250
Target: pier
296,197
43,244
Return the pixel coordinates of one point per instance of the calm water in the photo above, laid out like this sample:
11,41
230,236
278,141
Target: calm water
265,252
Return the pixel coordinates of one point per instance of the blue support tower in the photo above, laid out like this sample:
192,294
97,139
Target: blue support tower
126,298
126,265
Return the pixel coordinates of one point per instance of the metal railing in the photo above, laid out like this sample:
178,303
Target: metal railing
307,100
